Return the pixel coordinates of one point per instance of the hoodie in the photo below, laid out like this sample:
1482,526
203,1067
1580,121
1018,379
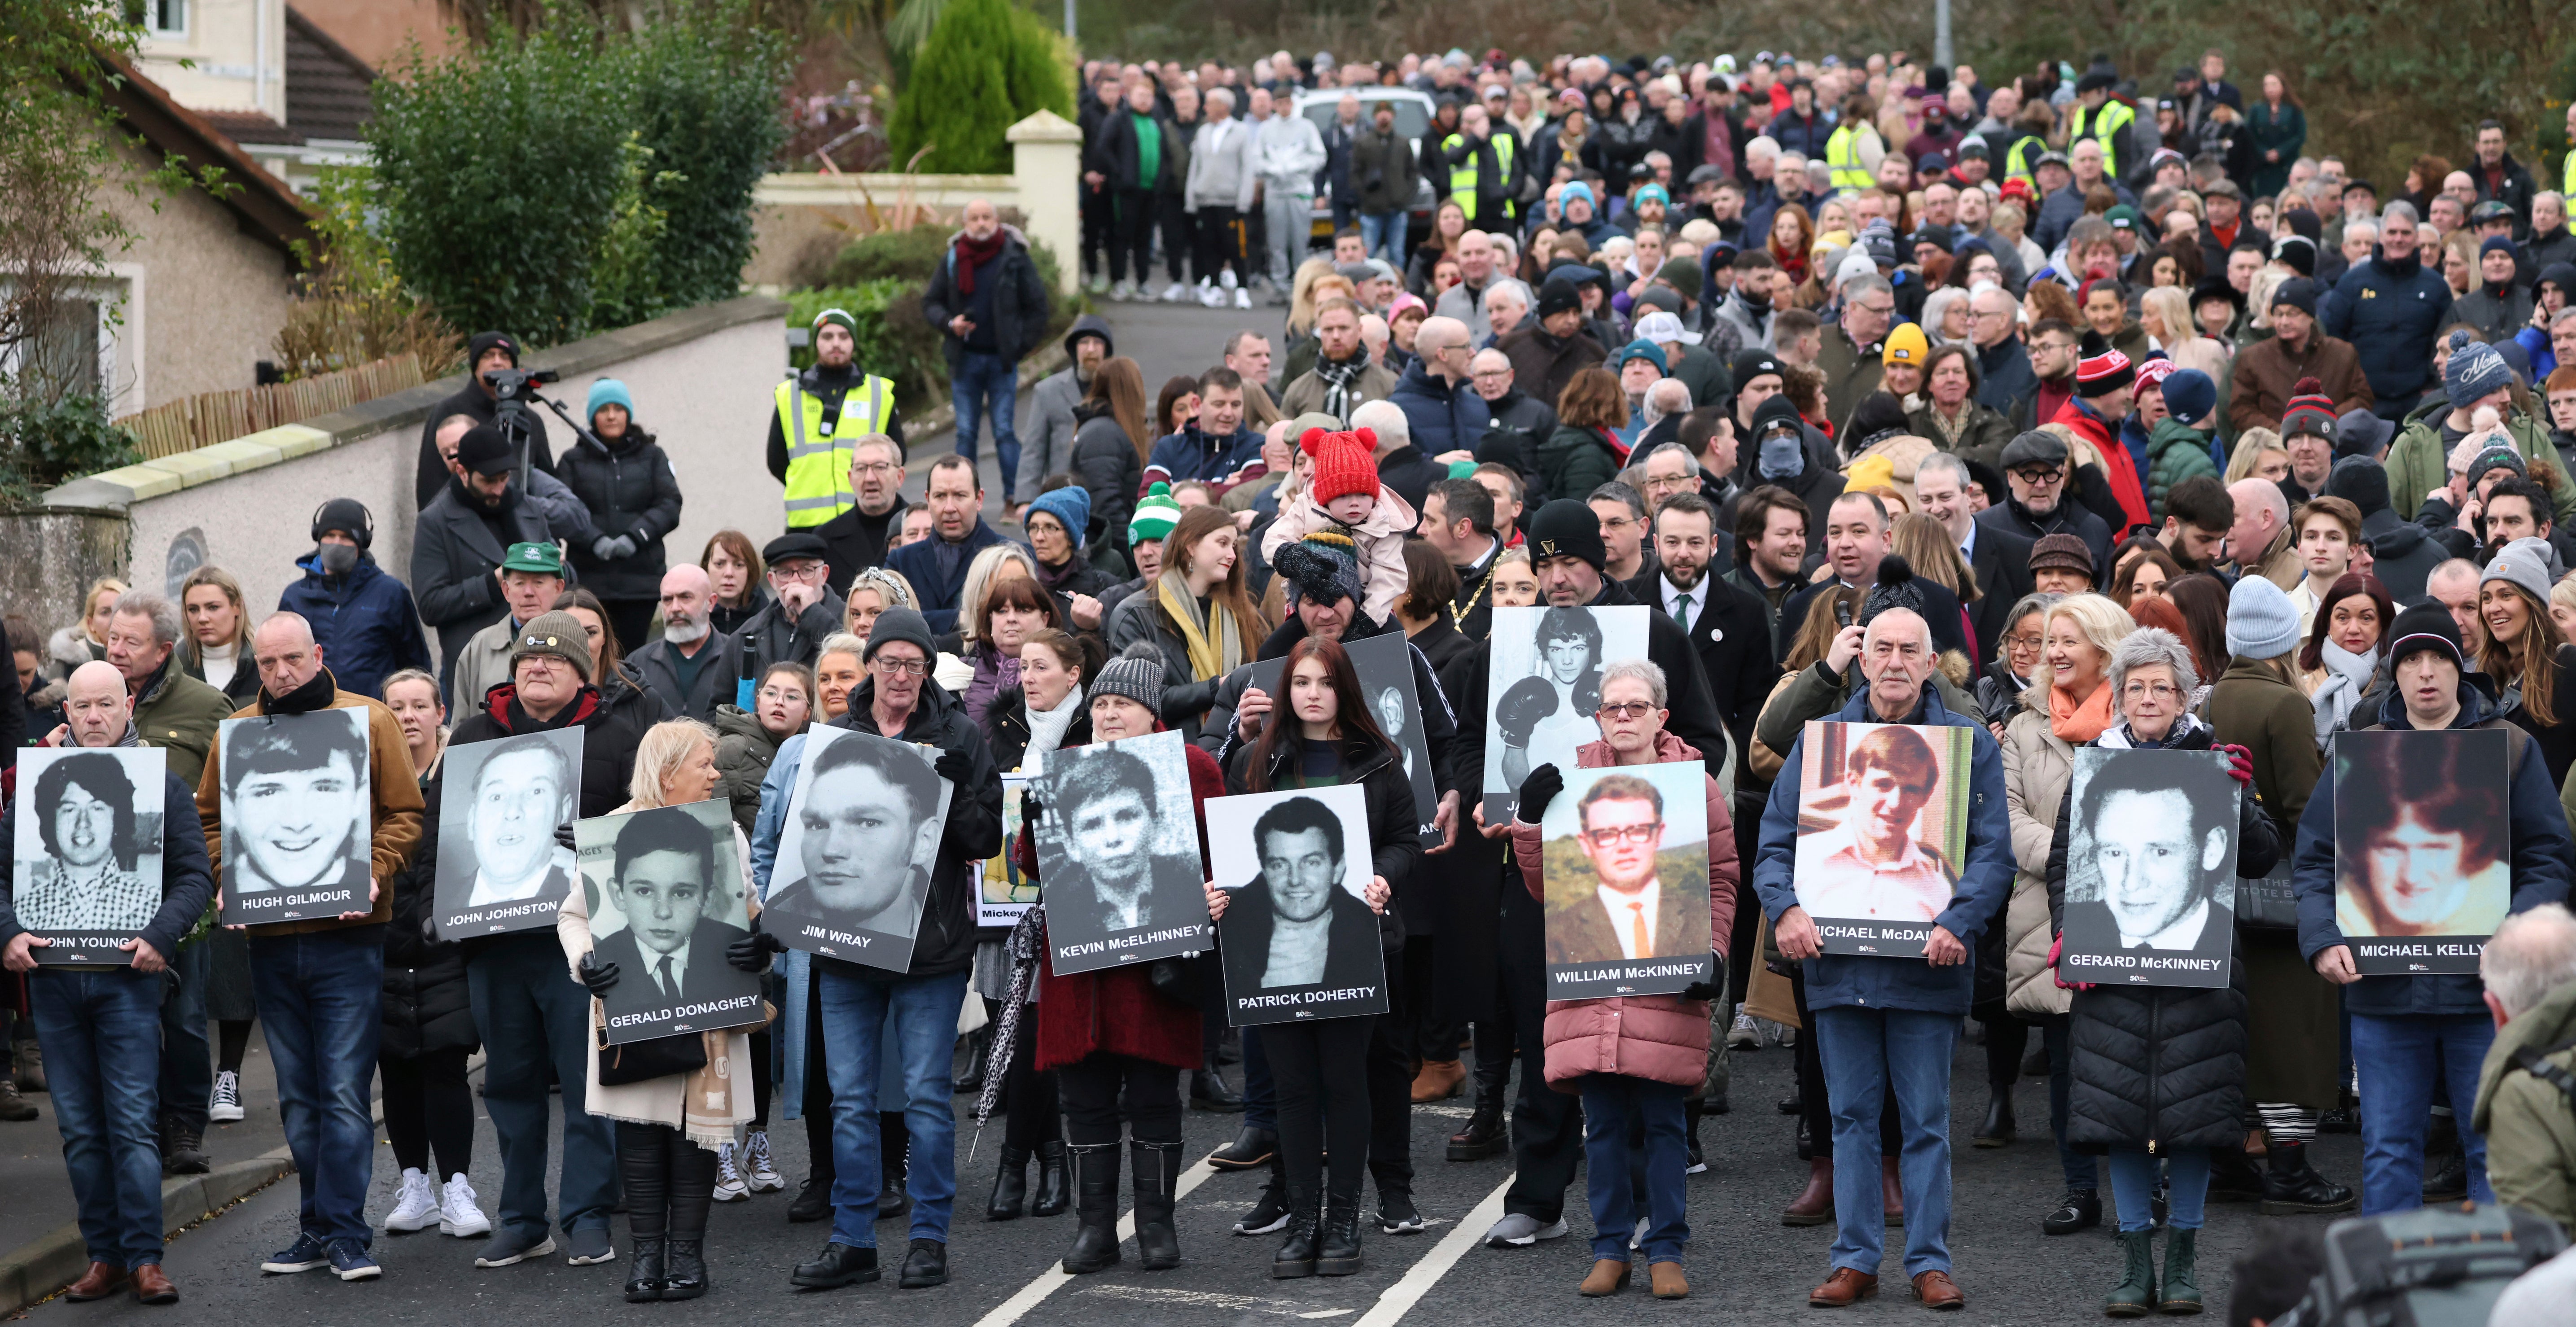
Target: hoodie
1287,151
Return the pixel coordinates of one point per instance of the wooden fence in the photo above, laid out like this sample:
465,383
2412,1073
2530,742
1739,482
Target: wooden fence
211,417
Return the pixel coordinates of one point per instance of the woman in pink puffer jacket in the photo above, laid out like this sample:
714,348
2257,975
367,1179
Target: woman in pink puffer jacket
1636,1056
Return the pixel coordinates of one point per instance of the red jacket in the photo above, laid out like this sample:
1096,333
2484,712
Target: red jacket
2115,460
1116,1009
1663,1038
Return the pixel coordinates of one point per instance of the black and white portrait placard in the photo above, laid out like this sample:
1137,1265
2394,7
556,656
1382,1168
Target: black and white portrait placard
298,816
1299,939
1385,667
2423,848
854,861
2150,869
668,899
1118,852
88,849
499,867
1543,688
1626,878
1882,832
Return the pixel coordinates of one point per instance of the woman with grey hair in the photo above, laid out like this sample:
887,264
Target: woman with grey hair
2017,660
2171,1117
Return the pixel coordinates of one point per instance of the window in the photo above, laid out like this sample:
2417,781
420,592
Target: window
67,353
164,18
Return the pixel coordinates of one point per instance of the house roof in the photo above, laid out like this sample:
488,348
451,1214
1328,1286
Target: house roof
327,86
265,208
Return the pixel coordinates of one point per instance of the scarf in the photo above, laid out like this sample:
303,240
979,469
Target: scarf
2118,737
1209,659
970,253
2082,723
1046,727
1950,431
1339,378
316,694
2347,676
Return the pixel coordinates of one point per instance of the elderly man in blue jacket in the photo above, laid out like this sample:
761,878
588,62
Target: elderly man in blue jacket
1888,1021
2407,1031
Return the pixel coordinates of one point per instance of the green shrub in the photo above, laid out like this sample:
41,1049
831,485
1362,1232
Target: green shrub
45,443
910,254
986,67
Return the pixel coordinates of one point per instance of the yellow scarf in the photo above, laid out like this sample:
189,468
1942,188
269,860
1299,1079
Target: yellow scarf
1209,658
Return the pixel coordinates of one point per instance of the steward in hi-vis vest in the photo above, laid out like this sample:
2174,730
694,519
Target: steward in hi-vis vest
819,417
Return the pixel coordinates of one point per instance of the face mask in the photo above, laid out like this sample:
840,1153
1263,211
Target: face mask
337,559
1782,456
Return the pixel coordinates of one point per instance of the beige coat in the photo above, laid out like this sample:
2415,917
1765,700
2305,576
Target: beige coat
2038,765
663,1100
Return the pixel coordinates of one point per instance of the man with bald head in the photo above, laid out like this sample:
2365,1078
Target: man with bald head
319,984
2261,541
680,665
1465,301
1438,395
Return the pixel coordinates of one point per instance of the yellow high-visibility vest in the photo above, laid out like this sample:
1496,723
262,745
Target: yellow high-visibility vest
1842,152
2021,160
1462,177
818,463
2103,125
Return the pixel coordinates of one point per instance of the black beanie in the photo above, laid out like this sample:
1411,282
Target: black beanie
1895,589
1879,415
2426,626
483,451
348,516
1775,408
1567,528
2360,481
1557,295
484,341
1751,364
901,624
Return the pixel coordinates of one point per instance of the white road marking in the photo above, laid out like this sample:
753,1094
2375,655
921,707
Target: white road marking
1425,1273
1210,1299
1055,1278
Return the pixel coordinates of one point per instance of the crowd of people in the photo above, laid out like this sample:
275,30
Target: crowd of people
2060,412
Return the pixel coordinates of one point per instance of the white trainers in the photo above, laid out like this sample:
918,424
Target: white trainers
758,1174
729,1185
1519,1230
1124,291
1743,1036
224,1106
1225,278
1242,298
1784,1035
457,1214
1099,282
415,1204
1175,293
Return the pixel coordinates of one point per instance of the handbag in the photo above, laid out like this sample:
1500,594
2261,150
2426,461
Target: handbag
1177,980
2270,903
639,1061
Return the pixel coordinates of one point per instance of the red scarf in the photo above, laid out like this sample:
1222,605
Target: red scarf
970,253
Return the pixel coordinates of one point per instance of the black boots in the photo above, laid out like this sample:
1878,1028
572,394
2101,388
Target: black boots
1998,1128
1270,1211
1296,1256
838,1265
979,1046
2446,1162
1158,1174
643,1179
1054,1192
1095,1203
1485,1136
2233,1177
1252,1147
1010,1186
2080,1209
2292,1186
1209,1092
894,1151
693,1187
1339,1254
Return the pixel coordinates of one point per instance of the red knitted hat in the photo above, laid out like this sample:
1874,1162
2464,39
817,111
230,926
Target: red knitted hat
2310,411
1342,462
2101,370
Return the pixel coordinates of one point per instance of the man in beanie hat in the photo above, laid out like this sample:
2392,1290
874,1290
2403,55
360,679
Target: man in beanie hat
369,626
1344,498
478,400
818,418
2270,371
1778,449
532,1016
860,1004
2105,383
2411,1030
2474,378
2308,427
2037,476
2178,445
2061,564
1546,351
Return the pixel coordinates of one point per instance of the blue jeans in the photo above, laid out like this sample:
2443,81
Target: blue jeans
187,1065
1614,1105
988,383
321,998
101,1034
530,1013
1864,1052
2133,1186
1383,236
2399,1058
924,1013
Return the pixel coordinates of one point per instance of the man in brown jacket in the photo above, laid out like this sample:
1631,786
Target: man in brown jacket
1548,351
320,984
2267,372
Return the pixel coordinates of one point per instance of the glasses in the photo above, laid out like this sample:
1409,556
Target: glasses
1882,310
808,573
899,667
1635,709
781,694
1638,834
2161,691
2035,475
1658,483
2030,642
874,467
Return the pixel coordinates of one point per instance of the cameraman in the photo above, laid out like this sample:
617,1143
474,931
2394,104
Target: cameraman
488,352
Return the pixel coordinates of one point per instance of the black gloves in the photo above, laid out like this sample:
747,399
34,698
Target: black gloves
1030,807
751,953
1714,987
955,766
1189,697
596,975
563,837
1540,788
1528,701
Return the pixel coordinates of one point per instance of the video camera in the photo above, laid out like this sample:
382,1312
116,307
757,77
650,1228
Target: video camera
519,384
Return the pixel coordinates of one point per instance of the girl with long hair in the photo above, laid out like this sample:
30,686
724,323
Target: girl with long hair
734,571
2345,647
2525,657
216,650
1792,231
1114,431
1196,613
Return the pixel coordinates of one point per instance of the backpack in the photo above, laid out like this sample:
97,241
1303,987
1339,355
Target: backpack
2438,1267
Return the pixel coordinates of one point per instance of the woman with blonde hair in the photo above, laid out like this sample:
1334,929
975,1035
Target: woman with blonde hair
86,640
2165,314
216,649
2259,454
672,1129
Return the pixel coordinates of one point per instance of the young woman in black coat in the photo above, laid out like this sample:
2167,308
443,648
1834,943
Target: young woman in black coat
2158,1072
622,475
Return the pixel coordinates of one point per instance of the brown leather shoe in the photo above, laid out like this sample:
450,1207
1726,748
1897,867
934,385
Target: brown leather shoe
1891,1192
152,1287
1939,1292
1438,1080
1814,1206
99,1282
1843,1289
1669,1282
1609,1277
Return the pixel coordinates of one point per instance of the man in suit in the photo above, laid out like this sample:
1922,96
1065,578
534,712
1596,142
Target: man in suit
1295,925
2000,558
869,819
1627,913
1729,628
1856,529
2161,849
662,878
1104,805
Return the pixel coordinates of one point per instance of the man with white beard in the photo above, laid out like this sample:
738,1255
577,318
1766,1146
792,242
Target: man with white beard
680,667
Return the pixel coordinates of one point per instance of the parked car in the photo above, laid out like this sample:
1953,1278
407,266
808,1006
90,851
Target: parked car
1412,119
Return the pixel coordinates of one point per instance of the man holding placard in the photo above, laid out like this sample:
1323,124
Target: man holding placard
1886,1021
2415,1000
101,1027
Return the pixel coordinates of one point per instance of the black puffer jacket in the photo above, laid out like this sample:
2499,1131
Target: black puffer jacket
630,491
613,723
1394,848
2161,1066
1106,465
427,1004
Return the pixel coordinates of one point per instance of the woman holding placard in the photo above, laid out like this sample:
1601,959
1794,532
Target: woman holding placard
1634,1058
1324,735
2157,1072
671,1129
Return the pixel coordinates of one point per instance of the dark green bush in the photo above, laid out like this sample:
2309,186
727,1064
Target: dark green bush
879,279
43,444
987,66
